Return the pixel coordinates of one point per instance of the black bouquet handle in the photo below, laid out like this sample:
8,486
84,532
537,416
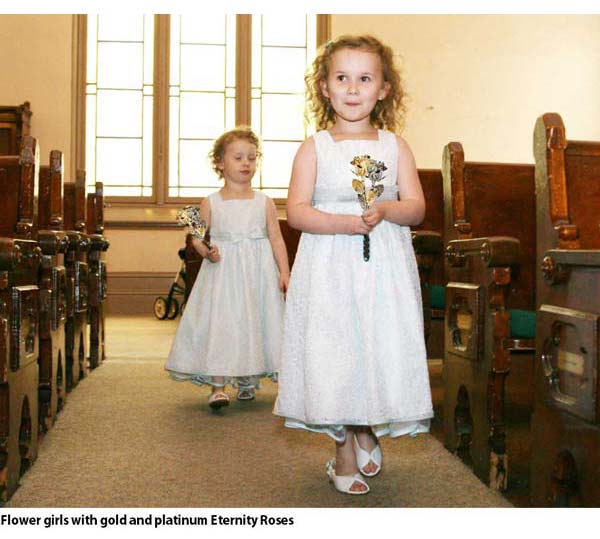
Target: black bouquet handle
366,247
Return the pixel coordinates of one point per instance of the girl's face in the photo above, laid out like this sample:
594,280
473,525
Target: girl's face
354,84
239,162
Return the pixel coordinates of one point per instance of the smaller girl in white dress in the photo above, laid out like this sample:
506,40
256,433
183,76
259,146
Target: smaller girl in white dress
230,331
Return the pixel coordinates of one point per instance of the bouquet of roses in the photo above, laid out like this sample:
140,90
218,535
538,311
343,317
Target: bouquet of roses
371,169
190,216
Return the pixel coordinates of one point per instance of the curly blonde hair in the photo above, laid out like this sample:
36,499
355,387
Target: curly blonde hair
217,153
387,114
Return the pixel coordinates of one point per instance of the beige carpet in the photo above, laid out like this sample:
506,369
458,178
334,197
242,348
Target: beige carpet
131,437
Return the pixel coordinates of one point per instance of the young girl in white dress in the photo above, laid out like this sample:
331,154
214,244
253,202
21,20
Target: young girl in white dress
353,355
230,331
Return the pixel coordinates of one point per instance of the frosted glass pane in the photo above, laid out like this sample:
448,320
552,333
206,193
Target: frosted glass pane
116,191
276,193
231,41
119,161
202,115
205,28
202,67
147,141
256,113
191,192
91,49
194,164
149,50
230,114
90,139
120,65
124,27
119,113
283,70
173,140
289,30
256,51
282,117
277,163
174,50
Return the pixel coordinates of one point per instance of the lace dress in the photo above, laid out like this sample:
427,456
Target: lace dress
353,350
232,321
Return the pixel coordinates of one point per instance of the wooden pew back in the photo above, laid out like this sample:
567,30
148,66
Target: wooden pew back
15,123
565,424
493,199
18,187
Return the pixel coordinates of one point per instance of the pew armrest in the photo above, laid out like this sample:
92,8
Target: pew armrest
427,242
494,251
558,263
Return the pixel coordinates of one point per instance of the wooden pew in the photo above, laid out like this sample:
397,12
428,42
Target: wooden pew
97,273
15,123
20,258
566,421
53,242
490,229
428,242
77,281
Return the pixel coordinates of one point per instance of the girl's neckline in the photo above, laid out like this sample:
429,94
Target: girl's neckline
231,199
378,139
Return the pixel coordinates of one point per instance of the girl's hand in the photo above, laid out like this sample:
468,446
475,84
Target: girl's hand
357,225
213,254
373,216
284,281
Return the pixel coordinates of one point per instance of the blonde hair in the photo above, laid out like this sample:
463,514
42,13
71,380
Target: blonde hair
242,132
387,114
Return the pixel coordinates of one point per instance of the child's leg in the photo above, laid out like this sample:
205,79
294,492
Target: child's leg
345,459
219,381
218,398
367,441
246,387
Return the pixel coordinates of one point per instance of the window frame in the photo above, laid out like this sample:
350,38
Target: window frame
160,144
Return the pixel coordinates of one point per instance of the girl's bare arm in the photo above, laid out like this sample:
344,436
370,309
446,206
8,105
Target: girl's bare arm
276,239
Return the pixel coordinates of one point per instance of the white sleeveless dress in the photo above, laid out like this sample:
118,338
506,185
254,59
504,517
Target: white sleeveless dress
353,350
232,322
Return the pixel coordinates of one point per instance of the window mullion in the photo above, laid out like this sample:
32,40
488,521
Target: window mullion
243,61
160,161
323,29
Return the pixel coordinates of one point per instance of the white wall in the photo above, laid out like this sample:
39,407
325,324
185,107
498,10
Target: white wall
484,79
35,55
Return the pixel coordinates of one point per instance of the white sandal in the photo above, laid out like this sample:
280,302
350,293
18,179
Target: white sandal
218,400
246,394
363,458
343,483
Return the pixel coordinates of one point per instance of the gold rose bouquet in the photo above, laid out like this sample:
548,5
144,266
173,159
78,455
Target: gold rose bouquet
367,168
190,216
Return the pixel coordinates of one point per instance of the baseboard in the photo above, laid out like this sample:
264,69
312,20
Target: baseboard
135,292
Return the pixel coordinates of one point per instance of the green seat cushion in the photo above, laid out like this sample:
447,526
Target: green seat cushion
522,324
438,296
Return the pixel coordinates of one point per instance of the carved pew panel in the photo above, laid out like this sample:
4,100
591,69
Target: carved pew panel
566,421
53,242
20,259
490,229
97,274
76,345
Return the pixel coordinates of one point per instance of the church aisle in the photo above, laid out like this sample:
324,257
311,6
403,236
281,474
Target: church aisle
131,437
